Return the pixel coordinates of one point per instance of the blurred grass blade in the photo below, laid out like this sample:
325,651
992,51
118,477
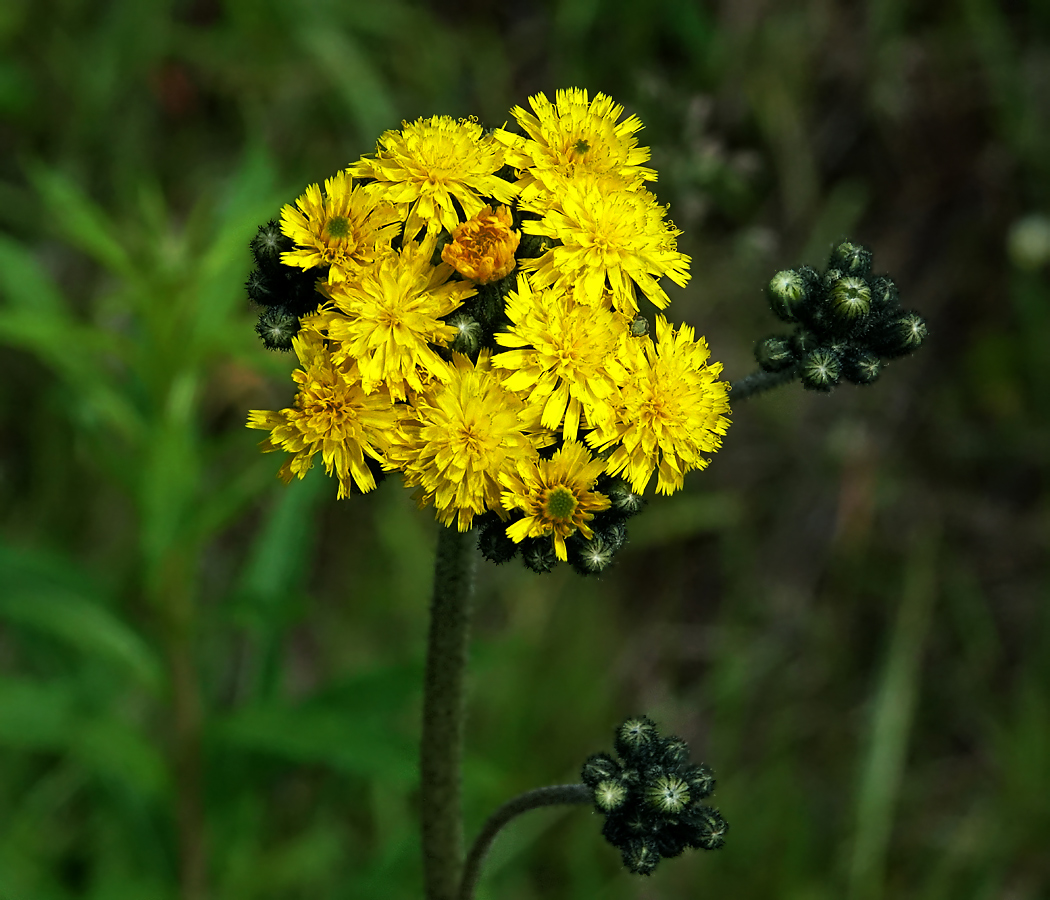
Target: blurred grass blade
24,284
47,594
891,722
81,220
322,734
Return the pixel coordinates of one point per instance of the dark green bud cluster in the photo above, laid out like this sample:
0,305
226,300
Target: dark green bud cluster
848,322
287,292
651,795
587,556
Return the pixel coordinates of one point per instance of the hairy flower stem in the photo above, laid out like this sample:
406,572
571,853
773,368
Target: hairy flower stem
443,713
546,796
760,381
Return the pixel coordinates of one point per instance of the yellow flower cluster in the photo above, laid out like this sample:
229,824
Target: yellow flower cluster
478,323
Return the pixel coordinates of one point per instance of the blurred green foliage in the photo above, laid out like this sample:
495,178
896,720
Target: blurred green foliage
211,681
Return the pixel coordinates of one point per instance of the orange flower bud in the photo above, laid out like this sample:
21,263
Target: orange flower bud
483,247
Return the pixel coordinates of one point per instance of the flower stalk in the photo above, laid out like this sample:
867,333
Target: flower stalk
554,795
444,712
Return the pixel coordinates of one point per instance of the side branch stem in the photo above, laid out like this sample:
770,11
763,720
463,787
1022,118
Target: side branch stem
443,714
760,381
546,796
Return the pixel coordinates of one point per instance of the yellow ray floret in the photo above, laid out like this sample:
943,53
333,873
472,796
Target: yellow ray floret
555,495
344,228
562,355
673,410
462,435
571,137
610,236
389,318
331,415
428,163
482,248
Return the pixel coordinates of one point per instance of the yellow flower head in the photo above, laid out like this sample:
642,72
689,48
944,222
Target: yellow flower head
564,356
571,137
483,247
429,163
344,228
673,410
333,415
555,495
388,319
610,235
462,436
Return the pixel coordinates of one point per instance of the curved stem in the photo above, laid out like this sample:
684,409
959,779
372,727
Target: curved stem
443,713
545,796
760,381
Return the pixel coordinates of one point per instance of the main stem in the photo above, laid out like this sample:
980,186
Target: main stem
443,714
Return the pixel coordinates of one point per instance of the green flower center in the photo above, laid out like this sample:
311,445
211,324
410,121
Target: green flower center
338,227
560,504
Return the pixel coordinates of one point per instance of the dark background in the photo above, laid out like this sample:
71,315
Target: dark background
846,614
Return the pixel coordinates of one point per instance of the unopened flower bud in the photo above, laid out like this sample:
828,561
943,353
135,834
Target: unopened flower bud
623,498
668,794
804,341
640,857
902,335
635,736
820,370
849,299
609,795
701,781
791,290
851,258
468,334
862,367
538,554
277,327
268,245
592,557
709,828
494,544
599,767
774,353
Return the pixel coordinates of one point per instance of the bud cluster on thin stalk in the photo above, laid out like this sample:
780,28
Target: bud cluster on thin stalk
848,323
651,795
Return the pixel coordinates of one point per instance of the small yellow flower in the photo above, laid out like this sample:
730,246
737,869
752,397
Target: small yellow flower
344,228
673,409
462,434
389,318
563,356
610,236
332,415
555,495
571,137
429,163
483,247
